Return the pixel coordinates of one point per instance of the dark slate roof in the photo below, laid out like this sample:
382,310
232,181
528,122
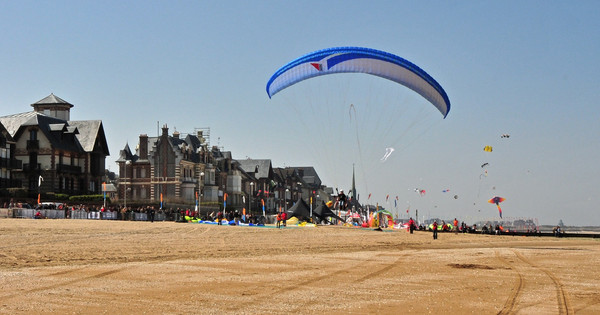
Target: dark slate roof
51,99
126,154
55,136
194,141
251,165
89,132
12,123
308,174
6,134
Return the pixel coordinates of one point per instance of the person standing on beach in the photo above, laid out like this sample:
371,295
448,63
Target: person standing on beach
411,225
151,214
284,218
219,218
278,220
455,226
435,231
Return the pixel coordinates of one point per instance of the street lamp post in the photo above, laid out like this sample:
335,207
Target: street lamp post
127,163
285,198
250,197
200,193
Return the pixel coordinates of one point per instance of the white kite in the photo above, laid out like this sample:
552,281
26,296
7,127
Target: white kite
388,152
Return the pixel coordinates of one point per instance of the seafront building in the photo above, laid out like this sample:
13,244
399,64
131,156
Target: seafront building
49,153
44,151
175,170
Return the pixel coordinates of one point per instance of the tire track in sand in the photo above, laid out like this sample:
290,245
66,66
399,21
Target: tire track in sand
564,305
509,305
61,284
342,277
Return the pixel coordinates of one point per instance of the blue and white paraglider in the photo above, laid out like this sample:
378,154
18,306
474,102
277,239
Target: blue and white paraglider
360,60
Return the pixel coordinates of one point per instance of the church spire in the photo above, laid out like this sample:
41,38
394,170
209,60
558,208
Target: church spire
353,185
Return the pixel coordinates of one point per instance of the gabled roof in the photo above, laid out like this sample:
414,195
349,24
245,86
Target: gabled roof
5,132
261,168
52,99
308,174
12,123
89,132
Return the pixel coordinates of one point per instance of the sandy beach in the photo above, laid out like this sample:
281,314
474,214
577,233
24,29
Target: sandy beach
117,267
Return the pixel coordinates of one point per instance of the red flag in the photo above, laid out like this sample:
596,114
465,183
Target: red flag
369,196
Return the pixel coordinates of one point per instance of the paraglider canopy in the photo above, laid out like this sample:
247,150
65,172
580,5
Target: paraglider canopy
360,60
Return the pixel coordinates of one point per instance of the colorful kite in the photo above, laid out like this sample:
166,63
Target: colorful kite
497,200
487,148
420,191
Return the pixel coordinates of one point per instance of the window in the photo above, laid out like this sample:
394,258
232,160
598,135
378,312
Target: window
32,134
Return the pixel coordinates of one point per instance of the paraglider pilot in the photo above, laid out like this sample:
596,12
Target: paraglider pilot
342,200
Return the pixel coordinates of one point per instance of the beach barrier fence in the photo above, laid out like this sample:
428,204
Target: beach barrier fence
30,213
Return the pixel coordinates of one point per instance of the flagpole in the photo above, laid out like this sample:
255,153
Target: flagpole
40,180
104,190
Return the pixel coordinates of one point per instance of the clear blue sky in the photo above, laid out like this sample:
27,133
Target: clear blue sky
526,68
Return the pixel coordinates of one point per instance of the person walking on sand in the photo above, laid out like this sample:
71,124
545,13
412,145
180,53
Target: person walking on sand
219,218
278,220
284,218
435,231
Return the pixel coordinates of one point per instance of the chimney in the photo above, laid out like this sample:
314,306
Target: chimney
144,147
165,130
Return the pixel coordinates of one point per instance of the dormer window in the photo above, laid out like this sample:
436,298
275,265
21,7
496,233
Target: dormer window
33,134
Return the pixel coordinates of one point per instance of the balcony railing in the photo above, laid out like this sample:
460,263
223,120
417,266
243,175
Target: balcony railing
31,167
71,169
15,164
10,164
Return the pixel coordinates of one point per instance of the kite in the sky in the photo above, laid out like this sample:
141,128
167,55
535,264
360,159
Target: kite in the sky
484,164
420,191
497,200
388,152
506,135
487,148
